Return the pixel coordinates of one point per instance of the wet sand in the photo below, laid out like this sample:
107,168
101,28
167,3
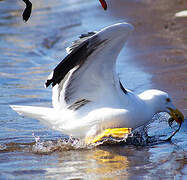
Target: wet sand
160,43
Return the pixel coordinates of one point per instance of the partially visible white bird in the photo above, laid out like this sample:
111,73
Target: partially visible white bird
89,98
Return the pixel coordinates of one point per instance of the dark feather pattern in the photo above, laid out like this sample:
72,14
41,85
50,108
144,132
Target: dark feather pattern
76,58
89,34
78,104
27,12
76,43
122,88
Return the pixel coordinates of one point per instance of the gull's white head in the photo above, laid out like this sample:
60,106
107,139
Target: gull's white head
161,102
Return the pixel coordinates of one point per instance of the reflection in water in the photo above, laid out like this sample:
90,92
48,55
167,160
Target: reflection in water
68,159
107,162
110,162
97,163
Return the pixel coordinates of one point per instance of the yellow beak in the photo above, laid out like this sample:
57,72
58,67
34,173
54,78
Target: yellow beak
176,115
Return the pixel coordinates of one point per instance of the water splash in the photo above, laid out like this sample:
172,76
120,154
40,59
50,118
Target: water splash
153,133
65,144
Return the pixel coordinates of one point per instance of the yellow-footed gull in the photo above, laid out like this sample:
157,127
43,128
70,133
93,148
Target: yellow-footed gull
89,101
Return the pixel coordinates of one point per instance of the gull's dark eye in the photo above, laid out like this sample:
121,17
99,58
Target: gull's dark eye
168,99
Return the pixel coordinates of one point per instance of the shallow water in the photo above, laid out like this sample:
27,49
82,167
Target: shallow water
29,149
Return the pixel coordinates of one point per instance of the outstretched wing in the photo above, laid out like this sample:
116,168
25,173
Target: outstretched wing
88,72
78,53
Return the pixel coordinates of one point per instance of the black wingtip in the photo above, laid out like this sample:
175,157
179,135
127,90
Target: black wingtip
47,83
27,12
122,88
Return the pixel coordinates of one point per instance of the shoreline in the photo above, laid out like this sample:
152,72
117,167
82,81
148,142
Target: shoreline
160,42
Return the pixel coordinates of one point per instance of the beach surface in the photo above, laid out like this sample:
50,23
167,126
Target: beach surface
160,40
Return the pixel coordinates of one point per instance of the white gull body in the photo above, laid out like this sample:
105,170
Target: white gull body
88,96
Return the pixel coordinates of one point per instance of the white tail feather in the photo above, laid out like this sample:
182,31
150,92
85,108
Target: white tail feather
32,111
49,116
41,113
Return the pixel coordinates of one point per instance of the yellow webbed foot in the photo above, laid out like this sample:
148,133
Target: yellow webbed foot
107,134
